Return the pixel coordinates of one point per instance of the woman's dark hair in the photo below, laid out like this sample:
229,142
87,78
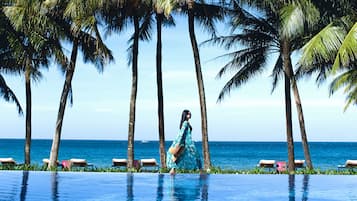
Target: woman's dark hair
184,117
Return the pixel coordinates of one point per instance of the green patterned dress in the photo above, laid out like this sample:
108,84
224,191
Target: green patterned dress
189,159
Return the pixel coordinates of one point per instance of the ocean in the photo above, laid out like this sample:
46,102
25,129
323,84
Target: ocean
226,155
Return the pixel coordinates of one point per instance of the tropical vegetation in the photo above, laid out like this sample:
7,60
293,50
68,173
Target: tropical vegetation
323,33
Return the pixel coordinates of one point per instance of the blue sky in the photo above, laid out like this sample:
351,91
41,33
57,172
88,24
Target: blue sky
101,100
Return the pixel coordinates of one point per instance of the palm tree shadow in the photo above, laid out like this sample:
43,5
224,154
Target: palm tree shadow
204,186
129,187
160,188
25,177
54,186
292,187
305,187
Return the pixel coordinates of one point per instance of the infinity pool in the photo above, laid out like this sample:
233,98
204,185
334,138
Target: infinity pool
77,186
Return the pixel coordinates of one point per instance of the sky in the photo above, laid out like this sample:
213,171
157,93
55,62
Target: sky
101,100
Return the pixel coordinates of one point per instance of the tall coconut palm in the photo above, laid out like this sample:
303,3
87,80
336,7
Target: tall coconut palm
145,31
206,15
298,18
118,14
261,36
25,55
160,96
80,22
160,20
201,89
32,47
333,47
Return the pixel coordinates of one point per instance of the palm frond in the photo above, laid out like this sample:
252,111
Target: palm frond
168,21
129,50
347,53
248,21
9,95
277,72
348,80
226,42
296,16
323,46
322,71
146,27
166,6
247,71
241,58
207,15
94,50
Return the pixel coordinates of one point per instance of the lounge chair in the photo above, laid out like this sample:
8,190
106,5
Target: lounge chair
149,163
75,163
7,161
46,161
266,164
349,164
122,162
299,163
119,162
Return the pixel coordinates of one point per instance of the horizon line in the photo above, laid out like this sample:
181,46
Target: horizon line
147,140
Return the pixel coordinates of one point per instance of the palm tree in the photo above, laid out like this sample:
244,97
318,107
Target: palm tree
295,18
160,96
332,48
31,49
160,20
201,90
158,12
117,14
206,15
25,54
78,19
261,36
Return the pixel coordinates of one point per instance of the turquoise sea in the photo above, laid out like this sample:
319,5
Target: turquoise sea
227,155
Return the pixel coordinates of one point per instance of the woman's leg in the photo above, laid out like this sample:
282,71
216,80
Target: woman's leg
176,152
172,171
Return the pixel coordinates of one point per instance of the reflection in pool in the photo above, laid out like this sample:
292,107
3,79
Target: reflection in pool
77,186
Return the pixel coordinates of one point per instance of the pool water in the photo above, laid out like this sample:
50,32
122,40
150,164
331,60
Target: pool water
78,186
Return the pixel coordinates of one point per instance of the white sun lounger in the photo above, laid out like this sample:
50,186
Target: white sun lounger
7,161
349,164
150,162
266,164
299,163
122,162
119,162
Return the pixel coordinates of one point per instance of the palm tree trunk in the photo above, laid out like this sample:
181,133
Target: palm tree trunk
160,97
62,106
28,112
201,90
289,130
134,88
304,141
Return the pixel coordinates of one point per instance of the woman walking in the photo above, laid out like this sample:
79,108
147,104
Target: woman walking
182,154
